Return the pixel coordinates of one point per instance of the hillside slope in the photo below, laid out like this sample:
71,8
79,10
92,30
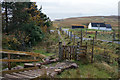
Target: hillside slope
113,20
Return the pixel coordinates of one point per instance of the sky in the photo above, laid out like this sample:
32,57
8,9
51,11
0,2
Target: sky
60,9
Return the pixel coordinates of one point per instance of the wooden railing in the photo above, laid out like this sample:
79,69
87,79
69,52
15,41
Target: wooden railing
9,53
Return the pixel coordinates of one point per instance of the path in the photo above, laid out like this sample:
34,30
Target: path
36,73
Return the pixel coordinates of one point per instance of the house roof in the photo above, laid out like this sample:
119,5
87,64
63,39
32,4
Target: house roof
98,24
77,27
108,26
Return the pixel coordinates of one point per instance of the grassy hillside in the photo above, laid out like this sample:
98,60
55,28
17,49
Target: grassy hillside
113,20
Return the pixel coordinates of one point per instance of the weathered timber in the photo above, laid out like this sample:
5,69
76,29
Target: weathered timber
92,56
17,60
23,53
60,50
11,71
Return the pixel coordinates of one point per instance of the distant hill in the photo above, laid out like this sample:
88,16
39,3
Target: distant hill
113,20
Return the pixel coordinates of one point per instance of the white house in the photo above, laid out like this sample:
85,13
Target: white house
99,26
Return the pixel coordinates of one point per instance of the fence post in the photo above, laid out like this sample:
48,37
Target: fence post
113,36
75,53
71,36
35,62
86,49
60,50
68,34
9,63
92,51
96,35
81,37
74,40
71,52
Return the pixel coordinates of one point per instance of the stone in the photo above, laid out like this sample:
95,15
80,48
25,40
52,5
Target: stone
58,70
74,65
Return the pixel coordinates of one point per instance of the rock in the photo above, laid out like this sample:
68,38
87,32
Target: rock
54,60
58,70
19,67
57,59
74,65
47,60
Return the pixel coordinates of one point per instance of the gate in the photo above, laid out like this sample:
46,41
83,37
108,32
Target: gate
71,52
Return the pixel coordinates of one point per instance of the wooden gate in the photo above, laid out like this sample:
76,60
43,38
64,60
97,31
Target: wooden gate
71,52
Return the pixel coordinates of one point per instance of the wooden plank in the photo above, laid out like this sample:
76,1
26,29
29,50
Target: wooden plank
23,53
32,73
4,52
11,71
10,76
17,60
21,75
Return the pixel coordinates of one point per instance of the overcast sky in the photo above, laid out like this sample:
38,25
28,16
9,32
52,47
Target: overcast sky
59,9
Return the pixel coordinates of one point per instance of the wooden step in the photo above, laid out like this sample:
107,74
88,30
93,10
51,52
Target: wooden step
28,74
22,76
11,76
34,73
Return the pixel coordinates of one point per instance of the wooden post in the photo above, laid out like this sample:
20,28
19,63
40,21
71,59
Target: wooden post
96,35
86,49
71,35
60,50
70,52
9,63
74,40
68,34
92,51
35,62
67,52
81,37
113,36
75,53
